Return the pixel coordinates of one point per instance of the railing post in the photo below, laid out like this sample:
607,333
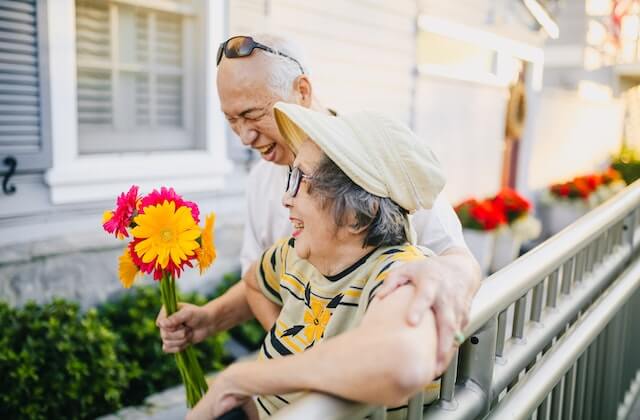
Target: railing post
477,359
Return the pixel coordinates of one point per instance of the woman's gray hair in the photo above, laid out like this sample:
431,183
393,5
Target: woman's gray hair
283,71
383,220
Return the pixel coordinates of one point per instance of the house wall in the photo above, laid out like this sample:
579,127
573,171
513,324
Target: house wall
362,53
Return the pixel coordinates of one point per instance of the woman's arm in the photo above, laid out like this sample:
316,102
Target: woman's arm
265,311
383,361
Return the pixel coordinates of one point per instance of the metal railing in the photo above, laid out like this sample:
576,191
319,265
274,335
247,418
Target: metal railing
551,336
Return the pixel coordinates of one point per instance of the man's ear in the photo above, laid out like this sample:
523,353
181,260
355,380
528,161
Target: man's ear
303,90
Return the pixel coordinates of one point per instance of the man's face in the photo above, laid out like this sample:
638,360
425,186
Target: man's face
247,102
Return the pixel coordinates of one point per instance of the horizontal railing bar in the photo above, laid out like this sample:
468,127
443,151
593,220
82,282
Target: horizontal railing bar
532,389
509,284
317,406
518,354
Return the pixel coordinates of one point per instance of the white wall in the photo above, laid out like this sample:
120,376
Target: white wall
361,51
464,122
570,135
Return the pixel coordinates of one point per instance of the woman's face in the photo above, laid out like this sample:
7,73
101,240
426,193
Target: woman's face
317,235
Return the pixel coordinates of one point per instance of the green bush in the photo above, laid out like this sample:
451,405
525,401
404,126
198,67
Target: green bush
627,162
57,363
250,334
132,316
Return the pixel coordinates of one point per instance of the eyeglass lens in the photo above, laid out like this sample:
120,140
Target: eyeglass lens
293,182
240,46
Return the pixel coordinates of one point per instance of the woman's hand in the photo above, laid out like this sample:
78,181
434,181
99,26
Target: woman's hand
189,325
226,393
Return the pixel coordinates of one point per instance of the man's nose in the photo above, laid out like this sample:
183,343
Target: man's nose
248,136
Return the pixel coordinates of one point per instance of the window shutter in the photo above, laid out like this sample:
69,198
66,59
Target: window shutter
21,121
95,105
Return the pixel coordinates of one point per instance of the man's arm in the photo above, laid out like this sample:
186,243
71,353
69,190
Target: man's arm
447,284
191,323
382,361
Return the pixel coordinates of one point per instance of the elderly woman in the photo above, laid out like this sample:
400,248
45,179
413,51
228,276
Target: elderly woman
353,183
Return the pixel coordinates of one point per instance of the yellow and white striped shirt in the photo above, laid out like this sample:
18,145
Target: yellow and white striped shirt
316,307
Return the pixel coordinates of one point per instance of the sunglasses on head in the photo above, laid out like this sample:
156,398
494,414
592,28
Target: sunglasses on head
243,46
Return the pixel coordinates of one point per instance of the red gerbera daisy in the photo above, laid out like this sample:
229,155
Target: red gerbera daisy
121,218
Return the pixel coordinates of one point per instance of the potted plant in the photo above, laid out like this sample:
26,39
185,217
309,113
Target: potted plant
568,201
520,226
480,219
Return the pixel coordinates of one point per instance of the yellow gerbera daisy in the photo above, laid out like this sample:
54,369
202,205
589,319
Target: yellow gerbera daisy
107,215
166,233
207,252
127,270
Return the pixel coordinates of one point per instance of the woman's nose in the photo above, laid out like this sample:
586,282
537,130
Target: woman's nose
287,200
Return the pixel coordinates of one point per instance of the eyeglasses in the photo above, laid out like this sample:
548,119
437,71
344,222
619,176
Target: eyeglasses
293,182
243,46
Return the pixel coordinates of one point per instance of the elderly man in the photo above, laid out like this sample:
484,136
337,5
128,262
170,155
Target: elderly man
253,74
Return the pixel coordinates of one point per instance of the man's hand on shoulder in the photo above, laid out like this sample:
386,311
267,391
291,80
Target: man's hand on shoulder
446,284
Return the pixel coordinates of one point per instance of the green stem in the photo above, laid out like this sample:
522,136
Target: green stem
188,366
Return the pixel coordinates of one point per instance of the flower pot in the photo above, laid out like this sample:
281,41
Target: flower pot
561,214
481,243
507,248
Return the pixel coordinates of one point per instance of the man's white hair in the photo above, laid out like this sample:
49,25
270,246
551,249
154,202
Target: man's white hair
282,71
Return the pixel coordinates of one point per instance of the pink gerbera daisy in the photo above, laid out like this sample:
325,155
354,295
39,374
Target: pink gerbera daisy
121,218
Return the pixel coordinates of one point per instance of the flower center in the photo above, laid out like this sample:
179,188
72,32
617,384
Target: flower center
316,322
166,235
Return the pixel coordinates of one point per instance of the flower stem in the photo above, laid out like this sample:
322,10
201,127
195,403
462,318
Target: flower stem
188,366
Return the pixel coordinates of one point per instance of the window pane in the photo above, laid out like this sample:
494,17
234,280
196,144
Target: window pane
142,36
142,101
169,98
169,40
94,98
92,30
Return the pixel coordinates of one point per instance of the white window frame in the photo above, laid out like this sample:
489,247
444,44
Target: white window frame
81,178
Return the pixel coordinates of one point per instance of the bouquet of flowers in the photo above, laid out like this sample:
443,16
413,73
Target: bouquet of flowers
164,239
480,215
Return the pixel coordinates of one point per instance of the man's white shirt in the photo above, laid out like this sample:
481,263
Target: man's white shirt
268,220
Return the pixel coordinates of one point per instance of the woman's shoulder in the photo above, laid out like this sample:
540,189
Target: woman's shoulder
390,256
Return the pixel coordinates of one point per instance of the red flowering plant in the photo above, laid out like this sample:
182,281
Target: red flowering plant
165,239
592,188
480,215
513,205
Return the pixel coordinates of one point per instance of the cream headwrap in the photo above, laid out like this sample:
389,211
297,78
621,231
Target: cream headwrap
378,153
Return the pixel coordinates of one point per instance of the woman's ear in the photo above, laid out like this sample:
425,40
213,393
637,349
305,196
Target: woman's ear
303,90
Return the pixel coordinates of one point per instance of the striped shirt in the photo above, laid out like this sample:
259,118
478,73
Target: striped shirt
316,307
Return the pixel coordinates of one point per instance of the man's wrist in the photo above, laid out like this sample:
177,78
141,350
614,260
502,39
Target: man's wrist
212,309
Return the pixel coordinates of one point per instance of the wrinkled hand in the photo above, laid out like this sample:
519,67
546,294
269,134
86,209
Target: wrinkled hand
440,289
189,325
225,394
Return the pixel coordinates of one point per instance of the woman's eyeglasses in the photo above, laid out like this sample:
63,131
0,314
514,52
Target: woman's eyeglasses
293,182
243,46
